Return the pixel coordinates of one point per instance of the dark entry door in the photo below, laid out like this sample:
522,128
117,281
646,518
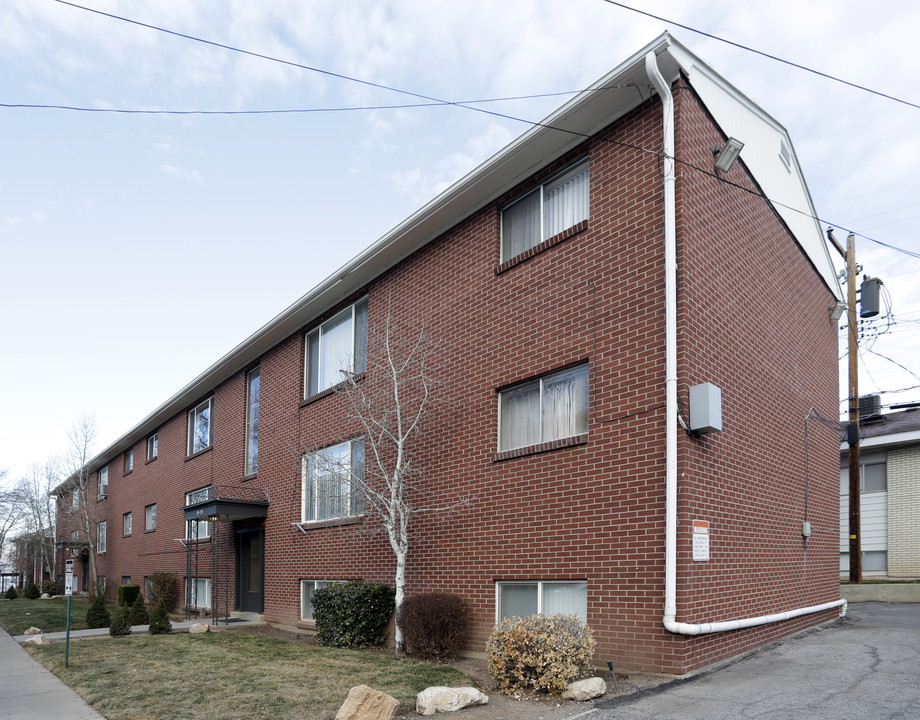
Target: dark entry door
252,571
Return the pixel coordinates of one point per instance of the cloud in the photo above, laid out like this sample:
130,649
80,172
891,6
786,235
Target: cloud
13,220
183,173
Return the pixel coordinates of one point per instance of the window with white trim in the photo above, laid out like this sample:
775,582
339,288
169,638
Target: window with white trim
336,348
332,482
548,408
200,430
75,499
103,484
129,461
150,517
152,449
307,589
522,598
252,421
126,523
101,538
546,211
198,529
198,592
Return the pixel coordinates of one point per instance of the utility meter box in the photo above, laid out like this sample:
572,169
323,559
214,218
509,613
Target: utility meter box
705,408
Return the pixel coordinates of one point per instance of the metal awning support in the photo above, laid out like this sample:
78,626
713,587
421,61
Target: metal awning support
218,505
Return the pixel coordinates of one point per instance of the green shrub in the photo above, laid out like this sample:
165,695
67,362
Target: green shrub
538,653
353,614
32,592
127,594
11,593
163,588
138,614
97,616
159,620
53,587
434,625
121,623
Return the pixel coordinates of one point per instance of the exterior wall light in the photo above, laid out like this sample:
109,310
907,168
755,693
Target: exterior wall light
725,157
836,310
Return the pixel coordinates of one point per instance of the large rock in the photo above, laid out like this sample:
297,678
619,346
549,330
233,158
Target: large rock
445,699
587,689
365,703
45,596
199,628
37,640
33,631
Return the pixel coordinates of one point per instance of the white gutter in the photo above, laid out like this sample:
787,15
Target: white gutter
670,263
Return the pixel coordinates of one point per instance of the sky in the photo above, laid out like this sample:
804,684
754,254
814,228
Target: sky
138,249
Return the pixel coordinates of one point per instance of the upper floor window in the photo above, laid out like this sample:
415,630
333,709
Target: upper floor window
549,408
152,447
75,499
150,515
547,211
129,461
252,422
101,538
200,431
126,522
336,347
332,482
104,482
198,529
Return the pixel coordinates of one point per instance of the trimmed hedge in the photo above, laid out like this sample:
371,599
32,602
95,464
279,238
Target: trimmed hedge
11,593
137,614
353,614
121,623
434,625
127,594
32,592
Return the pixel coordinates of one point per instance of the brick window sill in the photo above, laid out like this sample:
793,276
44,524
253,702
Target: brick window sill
541,247
540,448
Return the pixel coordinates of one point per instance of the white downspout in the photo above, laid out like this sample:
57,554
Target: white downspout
670,263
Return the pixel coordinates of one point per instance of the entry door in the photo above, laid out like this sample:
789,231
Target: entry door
252,571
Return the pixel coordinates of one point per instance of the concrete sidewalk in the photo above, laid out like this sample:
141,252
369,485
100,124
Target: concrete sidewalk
28,690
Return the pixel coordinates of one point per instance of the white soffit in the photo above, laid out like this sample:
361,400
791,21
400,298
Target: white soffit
763,140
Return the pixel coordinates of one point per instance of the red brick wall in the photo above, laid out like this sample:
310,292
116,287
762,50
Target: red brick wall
595,510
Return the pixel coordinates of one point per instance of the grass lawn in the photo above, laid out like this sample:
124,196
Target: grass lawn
224,675
17,616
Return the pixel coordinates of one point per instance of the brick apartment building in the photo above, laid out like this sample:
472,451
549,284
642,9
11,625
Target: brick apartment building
579,284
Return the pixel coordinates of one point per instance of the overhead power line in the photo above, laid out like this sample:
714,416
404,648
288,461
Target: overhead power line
764,54
468,105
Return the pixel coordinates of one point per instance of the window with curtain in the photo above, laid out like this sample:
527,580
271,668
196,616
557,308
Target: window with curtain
547,211
332,482
199,592
519,599
101,538
336,347
252,422
307,590
552,407
103,483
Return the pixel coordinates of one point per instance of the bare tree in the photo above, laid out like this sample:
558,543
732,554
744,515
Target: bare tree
11,513
390,403
36,493
77,494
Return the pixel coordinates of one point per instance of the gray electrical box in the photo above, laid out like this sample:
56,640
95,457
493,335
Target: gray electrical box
705,408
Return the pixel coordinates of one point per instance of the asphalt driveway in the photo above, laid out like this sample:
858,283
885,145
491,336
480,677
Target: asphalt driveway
865,666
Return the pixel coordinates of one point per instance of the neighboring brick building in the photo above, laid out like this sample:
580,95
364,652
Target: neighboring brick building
566,353
889,495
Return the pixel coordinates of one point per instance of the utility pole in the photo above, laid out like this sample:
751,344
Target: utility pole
852,270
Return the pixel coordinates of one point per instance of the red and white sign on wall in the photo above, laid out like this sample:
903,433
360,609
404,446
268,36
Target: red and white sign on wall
700,540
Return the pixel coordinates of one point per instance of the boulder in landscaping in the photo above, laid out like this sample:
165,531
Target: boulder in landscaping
587,689
33,631
199,628
37,640
441,699
365,703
